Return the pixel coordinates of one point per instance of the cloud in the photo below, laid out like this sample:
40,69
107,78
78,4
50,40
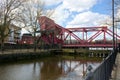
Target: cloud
79,5
118,14
60,15
67,7
88,18
51,2
72,5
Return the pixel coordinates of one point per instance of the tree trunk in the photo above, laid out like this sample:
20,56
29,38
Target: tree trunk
2,45
35,46
34,43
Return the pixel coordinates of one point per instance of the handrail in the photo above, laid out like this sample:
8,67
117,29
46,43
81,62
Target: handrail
103,71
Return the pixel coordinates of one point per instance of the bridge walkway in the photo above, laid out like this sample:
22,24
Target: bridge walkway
116,71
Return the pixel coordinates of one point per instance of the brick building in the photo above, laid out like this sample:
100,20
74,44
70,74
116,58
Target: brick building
27,39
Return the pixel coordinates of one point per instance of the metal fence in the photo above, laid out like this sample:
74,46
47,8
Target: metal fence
103,71
26,48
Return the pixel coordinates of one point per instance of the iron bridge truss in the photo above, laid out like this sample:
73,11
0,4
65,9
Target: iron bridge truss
99,36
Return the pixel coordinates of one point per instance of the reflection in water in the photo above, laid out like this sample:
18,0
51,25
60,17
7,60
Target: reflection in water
47,69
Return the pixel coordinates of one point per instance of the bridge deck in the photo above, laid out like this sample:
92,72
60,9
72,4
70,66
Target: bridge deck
116,70
88,45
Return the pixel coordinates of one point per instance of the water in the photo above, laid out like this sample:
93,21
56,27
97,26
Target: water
46,69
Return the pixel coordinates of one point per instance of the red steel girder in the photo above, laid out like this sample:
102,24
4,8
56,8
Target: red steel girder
61,34
89,45
94,36
87,29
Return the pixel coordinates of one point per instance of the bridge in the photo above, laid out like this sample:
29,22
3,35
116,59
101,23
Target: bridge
99,36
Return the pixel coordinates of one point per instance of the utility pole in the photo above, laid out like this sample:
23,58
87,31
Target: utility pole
113,25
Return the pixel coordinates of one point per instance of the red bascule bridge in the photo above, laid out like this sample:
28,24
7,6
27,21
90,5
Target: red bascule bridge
52,33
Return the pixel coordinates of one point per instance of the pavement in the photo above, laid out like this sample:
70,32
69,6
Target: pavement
116,70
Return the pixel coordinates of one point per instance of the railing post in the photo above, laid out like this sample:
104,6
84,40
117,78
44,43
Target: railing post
89,73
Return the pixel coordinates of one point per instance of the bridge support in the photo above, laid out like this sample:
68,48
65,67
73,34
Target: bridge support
68,37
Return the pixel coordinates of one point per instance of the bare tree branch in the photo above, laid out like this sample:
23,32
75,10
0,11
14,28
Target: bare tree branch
9,9
31,12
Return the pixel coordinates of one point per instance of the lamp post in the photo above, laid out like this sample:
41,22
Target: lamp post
113,25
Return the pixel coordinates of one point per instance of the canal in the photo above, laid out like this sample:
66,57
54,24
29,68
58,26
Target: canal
50,68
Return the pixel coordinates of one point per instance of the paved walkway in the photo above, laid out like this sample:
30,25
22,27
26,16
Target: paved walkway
116,70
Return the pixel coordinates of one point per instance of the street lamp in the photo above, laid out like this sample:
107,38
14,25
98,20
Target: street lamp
113,25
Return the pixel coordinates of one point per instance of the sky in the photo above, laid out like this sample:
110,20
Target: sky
80,13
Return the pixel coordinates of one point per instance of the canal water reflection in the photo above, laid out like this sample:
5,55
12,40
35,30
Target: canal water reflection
46,69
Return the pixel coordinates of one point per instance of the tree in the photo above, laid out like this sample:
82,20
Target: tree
31,12
9,11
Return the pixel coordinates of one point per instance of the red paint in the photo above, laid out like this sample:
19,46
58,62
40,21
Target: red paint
54,33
